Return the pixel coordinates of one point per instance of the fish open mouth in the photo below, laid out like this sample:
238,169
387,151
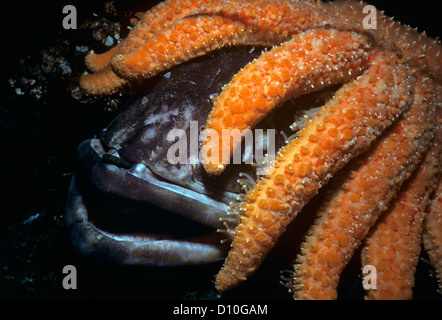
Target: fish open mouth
128,204
133,219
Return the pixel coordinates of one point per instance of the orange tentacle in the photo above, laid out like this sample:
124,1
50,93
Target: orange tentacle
158,18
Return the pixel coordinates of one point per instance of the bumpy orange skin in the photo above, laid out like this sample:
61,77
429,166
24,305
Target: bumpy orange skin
212,27
432,236
309,31
242,22
306,63
393,246
359,112
368,187
104,81
97,62
425,51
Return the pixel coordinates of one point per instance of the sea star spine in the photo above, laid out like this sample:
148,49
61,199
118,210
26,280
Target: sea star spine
215,26
159,17
432,235
344,127
103,81
308,62
96,62
280,18
366,190
393,245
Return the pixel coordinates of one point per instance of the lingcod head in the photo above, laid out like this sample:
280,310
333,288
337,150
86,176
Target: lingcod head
130,202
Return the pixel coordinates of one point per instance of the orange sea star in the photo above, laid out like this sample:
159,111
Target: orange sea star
317,44
104,80
432,236
394,244
370,184
306,163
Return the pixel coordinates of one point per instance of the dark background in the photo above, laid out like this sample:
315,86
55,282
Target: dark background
38,145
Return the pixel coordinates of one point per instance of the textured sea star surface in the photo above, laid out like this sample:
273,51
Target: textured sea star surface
343,128
104,80
394,244
316,44
432,236
175,31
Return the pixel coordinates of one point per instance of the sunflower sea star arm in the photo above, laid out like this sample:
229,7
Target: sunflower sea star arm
159,17
215,26
310,61
432,234
97,61
353,208
343,128
393,245
426,52
246,22
104,80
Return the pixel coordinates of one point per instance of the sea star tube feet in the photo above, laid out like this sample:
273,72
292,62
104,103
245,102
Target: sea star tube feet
432,236
345,127
394,244
212,27
311,61
96,62
164,14
307,163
